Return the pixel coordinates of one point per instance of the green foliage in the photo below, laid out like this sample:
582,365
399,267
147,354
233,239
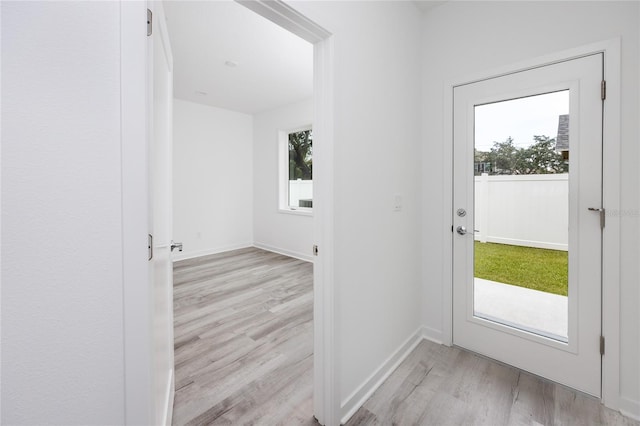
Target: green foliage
507,159
301,155
537,269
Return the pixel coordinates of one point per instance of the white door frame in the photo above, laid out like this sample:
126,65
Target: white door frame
611,202
137,303
161,217
138,373
325,395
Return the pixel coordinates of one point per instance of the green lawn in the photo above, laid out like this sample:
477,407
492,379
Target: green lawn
538,269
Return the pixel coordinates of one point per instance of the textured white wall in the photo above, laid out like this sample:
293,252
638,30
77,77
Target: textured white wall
284,232
212,179
62,307
462,38
377,142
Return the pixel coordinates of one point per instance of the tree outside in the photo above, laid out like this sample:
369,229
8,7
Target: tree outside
505,158
301,155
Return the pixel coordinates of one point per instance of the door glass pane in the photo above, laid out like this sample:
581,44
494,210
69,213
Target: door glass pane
521,172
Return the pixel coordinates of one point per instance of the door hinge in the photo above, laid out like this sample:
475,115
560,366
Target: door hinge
315,250
149,22
601,345
603,90
150,246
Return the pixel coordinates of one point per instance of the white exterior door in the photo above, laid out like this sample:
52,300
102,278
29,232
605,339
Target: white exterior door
526,203
161,219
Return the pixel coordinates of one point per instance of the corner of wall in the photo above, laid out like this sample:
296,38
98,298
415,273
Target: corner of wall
284,252
353,402
432,334
210,251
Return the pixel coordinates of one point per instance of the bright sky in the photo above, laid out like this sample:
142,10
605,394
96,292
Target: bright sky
519,118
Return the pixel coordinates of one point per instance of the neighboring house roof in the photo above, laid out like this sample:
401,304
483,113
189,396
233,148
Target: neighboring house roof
562,140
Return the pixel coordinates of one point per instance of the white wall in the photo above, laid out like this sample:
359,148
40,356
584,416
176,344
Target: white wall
62,286
212,178
377,141
284,232
462,38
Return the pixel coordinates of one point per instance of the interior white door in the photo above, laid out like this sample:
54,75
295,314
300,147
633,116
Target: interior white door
496,208
160,77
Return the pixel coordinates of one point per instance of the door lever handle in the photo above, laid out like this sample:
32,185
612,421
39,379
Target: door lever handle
176,246
463,231
602,213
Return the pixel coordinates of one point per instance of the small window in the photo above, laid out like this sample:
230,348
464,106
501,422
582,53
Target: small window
296,189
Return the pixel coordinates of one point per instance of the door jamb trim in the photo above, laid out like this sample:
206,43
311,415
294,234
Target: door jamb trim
326,403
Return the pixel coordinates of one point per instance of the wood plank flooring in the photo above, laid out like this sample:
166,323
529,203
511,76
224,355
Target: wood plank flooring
243,354
243,339
439,385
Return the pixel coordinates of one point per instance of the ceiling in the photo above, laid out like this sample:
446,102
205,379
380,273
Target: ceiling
227,56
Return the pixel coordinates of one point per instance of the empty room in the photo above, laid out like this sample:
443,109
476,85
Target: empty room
242,214
435,221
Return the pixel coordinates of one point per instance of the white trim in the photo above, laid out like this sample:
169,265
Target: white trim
288,18
326,396
611,201
630,408
300,211
447,202
611,236
431,334
363,392
138,347
284,252
177,257
261,246
169,398
1,215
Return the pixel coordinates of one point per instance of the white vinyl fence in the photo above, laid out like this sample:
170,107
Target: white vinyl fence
300,190
523,210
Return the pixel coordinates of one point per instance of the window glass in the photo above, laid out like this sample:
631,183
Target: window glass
300,176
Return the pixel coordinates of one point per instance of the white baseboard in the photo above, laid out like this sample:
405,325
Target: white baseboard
206,252
169,397
431,334
301,256
352,403
630,408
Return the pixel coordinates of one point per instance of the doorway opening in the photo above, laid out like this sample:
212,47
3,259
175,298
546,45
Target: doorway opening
230,179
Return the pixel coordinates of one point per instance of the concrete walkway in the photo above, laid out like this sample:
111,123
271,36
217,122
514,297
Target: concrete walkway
530,310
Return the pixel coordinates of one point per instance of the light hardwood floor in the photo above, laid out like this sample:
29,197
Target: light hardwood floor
439,385
243,340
